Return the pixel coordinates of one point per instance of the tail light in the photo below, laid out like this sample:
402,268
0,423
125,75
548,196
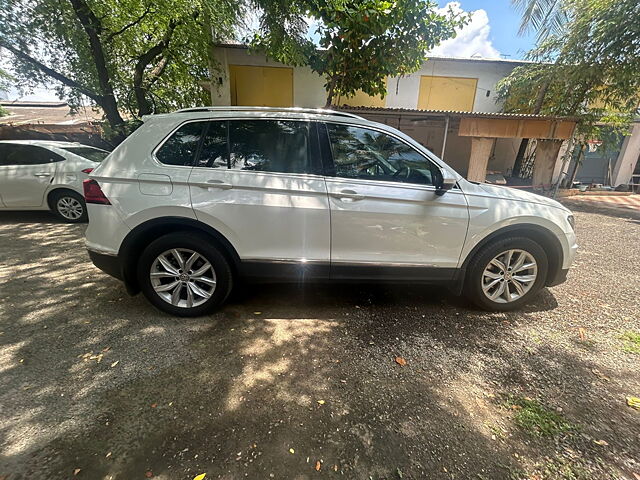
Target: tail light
93,193
87,170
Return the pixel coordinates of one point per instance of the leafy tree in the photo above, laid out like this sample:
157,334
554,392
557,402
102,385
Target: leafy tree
590,70
122,55
362,42
4,85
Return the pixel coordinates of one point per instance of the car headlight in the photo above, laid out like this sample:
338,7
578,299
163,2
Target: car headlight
572,221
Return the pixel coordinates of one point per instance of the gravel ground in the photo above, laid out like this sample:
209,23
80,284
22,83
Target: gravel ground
285,377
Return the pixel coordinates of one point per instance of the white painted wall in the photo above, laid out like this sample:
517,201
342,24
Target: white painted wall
308,87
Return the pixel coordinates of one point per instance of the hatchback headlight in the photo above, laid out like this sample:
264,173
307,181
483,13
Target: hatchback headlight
572,221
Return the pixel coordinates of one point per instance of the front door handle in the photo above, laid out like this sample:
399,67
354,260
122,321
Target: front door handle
218,184
41,174
349,195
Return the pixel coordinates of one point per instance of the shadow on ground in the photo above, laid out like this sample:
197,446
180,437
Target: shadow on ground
281,378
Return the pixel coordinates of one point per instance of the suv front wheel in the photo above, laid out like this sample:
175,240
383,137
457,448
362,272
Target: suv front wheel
506,274
184,274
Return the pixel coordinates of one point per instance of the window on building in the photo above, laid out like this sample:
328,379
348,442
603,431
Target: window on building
372,155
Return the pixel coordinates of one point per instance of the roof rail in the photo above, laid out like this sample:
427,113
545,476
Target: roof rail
319,111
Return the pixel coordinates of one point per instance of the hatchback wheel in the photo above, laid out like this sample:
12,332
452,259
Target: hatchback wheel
69,206
506,274
183,274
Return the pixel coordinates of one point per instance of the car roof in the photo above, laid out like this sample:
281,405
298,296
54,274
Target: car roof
259,112
46,143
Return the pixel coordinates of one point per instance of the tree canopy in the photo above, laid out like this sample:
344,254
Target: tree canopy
591,68
362,42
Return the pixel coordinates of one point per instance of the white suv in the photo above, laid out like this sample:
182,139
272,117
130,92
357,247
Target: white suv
46,175
194,200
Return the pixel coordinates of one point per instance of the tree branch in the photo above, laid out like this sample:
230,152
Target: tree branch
129,25
51,72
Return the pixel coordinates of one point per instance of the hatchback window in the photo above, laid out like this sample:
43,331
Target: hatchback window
372,155
271,146
90,153
27,155
181,147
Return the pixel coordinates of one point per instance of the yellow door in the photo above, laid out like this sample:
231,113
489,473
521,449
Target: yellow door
261,86
447,93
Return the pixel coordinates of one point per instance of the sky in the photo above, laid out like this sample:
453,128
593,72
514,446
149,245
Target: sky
491,33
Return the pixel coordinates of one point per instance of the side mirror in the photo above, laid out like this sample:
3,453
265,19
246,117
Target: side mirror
445,183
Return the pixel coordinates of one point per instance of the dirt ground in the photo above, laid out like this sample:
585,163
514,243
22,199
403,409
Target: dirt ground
301,383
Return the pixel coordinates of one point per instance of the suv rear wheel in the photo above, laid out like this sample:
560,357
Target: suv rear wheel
506,274
184,274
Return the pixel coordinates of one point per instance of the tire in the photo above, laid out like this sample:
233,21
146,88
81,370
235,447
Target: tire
69,206
491,287
186,298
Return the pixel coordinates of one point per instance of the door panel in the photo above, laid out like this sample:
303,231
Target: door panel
384,209
25,175
391,223
259,190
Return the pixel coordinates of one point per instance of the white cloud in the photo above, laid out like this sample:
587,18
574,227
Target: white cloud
472,40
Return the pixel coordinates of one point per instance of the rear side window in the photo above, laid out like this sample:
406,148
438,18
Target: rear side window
27,155
271,146
182,146
90,153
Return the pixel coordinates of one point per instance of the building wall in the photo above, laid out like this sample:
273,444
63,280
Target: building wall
402,92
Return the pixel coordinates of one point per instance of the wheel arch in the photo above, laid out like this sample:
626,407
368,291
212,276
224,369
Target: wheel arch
56,190
142,235
541,235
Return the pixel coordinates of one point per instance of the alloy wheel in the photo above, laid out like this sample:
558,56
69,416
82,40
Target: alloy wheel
509,276
70,208
182,277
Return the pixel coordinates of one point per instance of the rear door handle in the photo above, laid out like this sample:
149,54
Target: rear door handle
41,174
350,195
218,184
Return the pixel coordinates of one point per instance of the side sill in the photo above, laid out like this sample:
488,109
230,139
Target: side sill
285,272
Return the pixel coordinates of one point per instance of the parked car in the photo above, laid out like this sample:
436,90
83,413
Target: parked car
46,175
195,200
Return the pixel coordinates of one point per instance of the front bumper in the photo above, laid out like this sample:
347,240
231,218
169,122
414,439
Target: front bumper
109,264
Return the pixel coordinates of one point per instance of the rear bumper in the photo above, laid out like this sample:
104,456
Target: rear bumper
558,278
109,264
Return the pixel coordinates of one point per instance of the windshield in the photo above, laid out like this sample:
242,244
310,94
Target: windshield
90,153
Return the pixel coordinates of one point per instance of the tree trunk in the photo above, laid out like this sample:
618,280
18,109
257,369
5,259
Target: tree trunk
92,27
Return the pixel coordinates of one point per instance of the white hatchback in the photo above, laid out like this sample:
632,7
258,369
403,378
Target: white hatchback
46,175
194,200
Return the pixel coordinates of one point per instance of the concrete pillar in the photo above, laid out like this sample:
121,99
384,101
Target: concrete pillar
480,152
545,163
626,161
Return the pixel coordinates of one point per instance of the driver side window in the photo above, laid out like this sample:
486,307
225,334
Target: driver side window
372,155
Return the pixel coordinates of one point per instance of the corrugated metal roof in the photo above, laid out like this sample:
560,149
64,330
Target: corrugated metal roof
451,113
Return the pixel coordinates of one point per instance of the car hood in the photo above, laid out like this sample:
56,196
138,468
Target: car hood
510,193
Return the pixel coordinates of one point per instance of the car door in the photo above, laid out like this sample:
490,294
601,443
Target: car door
259,182
384,208
26,171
